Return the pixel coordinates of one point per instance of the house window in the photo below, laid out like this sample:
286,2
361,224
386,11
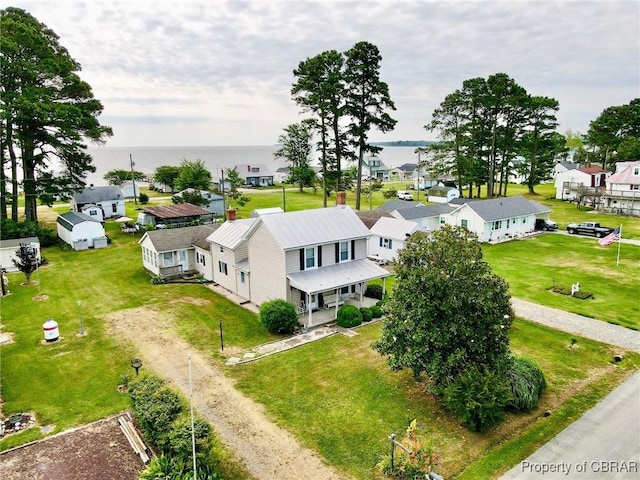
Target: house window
386,242
635,187
310,258
636,170
464,223
222,267
221,249
242,277
344,291
167,259
508,222
114,207
255,169
344,251
524,220
93,213
442,221
497,225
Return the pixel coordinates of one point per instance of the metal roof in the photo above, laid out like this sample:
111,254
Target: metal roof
314,227
16,242
506,207
231,233
336,276
68,219
392,205
394,228
425,211
176,211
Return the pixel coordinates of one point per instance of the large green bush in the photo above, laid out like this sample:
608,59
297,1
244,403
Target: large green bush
349,316
10,229
527,384
367,314
374,291
478,397
155,407
279,316
376,311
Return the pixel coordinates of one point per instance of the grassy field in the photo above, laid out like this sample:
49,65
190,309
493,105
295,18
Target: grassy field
533,266
337,396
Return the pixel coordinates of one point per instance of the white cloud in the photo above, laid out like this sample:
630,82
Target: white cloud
212,72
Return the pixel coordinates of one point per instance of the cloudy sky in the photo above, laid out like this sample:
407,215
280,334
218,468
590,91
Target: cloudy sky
219,72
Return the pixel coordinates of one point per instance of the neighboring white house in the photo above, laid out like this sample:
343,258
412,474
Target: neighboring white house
590,180
177,251
388,236
499,219
109,199
81,231
130,189
622,194
93,210
562,167
428,217
8,249
313,258
258,175
373,167
281,175
442,194
403,172
517,173
216,202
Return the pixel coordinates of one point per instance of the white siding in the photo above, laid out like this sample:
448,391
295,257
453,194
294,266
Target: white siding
268,267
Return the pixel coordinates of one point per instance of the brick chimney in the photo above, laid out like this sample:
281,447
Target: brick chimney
341,198
231,214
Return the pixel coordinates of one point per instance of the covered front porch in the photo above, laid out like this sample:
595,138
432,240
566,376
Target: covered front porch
319,293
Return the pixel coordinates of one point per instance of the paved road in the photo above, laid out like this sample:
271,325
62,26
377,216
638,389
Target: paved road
605,442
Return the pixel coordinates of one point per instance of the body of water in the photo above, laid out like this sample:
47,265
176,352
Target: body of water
147,159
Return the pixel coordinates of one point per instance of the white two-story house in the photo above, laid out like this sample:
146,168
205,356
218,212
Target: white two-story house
622,194
312,258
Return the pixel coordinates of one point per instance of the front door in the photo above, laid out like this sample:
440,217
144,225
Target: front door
182,260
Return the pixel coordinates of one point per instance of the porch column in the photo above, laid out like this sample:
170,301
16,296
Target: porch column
337,303
361,293
308,300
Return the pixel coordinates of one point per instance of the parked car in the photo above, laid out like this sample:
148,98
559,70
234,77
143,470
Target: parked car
404,195
545,224
589,228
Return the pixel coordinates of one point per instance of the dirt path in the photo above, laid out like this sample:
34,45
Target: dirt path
268,451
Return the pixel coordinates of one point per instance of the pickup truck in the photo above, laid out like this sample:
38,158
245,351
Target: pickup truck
589,228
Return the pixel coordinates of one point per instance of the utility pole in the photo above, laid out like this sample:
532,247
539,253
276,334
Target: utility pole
133,179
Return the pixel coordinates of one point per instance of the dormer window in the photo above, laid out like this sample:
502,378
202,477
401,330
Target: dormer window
636,171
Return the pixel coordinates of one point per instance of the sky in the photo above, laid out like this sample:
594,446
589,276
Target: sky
219,72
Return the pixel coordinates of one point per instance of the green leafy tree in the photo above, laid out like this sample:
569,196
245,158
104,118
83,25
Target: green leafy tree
26,260
46,112
296,149
448,309
366,103
319,89
193,174
540,144
194,197
167,175
613,127
234,181
118,177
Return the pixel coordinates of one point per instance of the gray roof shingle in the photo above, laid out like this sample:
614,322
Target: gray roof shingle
506,207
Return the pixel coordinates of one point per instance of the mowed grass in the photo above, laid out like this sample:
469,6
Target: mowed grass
75,381
533,266
340,398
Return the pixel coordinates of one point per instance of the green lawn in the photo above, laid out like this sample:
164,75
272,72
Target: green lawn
532,267
340,398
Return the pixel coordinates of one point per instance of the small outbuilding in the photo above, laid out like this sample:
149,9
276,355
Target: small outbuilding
442,194
81,231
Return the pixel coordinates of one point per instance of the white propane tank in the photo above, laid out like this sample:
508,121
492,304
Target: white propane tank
50,328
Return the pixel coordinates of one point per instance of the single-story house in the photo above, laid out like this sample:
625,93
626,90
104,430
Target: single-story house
428,217
8,249
403,172
563,166
174,216
499,219
388,236
282,175
622,194
442,194
216,203
178,251
130,189
109,199
93,210
81,231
